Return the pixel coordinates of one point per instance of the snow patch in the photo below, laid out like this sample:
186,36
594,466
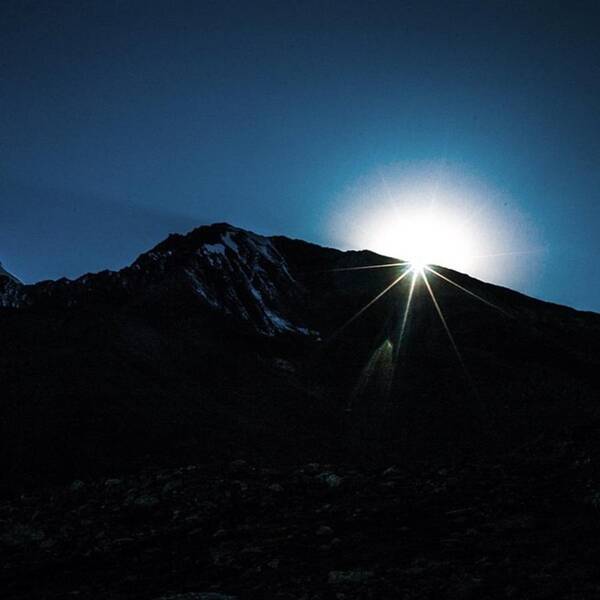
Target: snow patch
264,247
279,322
214,249
230,242
199,288
5,273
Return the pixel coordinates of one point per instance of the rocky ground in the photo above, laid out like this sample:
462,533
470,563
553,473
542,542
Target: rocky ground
522,527
110,383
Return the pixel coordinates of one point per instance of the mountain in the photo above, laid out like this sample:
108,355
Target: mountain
10,288
220,268
222,342
223,419
5,274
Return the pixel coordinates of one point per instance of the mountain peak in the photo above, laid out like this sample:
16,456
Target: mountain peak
5,273
237,272
220,270
10,289
194,239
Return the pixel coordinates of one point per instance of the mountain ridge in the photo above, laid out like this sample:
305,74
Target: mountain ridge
221,341
215,232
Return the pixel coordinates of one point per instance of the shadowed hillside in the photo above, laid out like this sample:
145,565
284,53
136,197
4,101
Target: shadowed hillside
433,449
222,342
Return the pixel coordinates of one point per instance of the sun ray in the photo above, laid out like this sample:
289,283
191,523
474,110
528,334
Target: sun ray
407,308
398,346
444,322
471,382
381,266
460,287
515,253
367,306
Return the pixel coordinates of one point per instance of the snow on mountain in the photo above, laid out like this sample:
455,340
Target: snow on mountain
236,273
239,273
5,273
10,289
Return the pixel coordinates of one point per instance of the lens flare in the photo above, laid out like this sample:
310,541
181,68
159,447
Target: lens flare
426,237
435,216
422,219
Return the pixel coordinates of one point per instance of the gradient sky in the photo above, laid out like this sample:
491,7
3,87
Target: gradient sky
122,121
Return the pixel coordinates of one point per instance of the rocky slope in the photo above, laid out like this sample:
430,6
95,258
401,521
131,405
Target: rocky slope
212,423
5,274
10,289
232,272
526,526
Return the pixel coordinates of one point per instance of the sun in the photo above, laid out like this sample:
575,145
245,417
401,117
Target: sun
436,215
429,236
419,270
417,266
432,225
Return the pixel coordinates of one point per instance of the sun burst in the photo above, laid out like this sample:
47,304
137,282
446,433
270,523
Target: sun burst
431,215
419,271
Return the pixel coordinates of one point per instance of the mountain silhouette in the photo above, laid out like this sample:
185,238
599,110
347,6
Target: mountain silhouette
238,416
223,342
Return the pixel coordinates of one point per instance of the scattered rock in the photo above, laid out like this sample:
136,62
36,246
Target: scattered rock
111,483
146,501
20,534
331,479
264,544
77,485
390,471
197,596
224,554
238,466
312,468
343,577
220,533
171,486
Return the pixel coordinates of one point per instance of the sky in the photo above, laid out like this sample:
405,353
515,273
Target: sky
122,121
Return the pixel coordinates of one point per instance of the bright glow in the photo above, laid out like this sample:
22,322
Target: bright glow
433,236
382,362
433,216
417,264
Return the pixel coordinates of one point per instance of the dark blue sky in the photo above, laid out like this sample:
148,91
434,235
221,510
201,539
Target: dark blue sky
122,121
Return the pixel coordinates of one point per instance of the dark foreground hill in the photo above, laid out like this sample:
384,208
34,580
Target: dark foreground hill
222,345
526,526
